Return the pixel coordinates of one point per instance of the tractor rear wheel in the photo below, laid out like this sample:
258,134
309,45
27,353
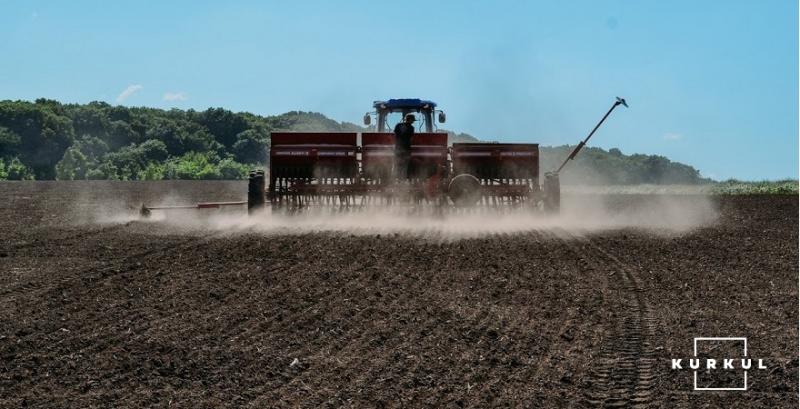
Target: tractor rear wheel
255,191
464,190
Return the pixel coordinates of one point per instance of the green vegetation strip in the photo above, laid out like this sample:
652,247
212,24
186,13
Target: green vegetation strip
738,187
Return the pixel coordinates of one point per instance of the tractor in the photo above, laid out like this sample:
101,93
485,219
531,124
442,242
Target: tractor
352,170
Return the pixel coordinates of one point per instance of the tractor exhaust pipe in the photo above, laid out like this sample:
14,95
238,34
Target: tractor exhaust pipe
619,101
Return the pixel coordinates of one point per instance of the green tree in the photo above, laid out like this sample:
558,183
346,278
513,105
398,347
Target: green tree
192,165
229,169
89,119
72,166
223,124
44,134
9,141
153,171
16,170
104,171
120,134
93,147
153,150
250,147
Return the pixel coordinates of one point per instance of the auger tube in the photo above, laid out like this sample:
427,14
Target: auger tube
619,101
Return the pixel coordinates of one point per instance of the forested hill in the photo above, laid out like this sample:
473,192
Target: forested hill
49,140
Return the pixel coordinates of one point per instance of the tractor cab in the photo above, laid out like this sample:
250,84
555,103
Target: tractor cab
391,112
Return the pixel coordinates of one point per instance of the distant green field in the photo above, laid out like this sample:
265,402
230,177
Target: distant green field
738,187
728,187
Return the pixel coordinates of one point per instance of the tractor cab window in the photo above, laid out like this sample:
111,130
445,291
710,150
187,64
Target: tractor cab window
394,118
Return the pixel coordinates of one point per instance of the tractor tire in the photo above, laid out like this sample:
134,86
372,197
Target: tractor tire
255,192
464,190
552,193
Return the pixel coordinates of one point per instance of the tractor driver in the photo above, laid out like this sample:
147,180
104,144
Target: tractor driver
403,132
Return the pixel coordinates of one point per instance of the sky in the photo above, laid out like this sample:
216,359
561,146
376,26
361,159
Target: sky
713,84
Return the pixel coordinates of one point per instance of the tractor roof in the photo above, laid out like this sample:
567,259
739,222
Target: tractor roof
410,103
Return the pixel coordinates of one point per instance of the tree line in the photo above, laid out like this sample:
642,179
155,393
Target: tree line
47,140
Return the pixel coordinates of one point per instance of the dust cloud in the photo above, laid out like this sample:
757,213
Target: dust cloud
580,213
659,209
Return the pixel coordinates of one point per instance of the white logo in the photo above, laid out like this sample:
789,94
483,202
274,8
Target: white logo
743,363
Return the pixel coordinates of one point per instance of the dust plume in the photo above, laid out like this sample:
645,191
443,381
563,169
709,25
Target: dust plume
580,213
583,210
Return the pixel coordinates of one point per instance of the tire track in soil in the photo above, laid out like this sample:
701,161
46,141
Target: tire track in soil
566,318
623,375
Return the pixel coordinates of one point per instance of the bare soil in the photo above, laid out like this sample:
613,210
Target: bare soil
107,311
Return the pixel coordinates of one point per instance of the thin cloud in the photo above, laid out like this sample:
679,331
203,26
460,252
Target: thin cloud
671,136
132,89
175,96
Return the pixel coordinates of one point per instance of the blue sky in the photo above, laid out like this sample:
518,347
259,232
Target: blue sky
711,83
